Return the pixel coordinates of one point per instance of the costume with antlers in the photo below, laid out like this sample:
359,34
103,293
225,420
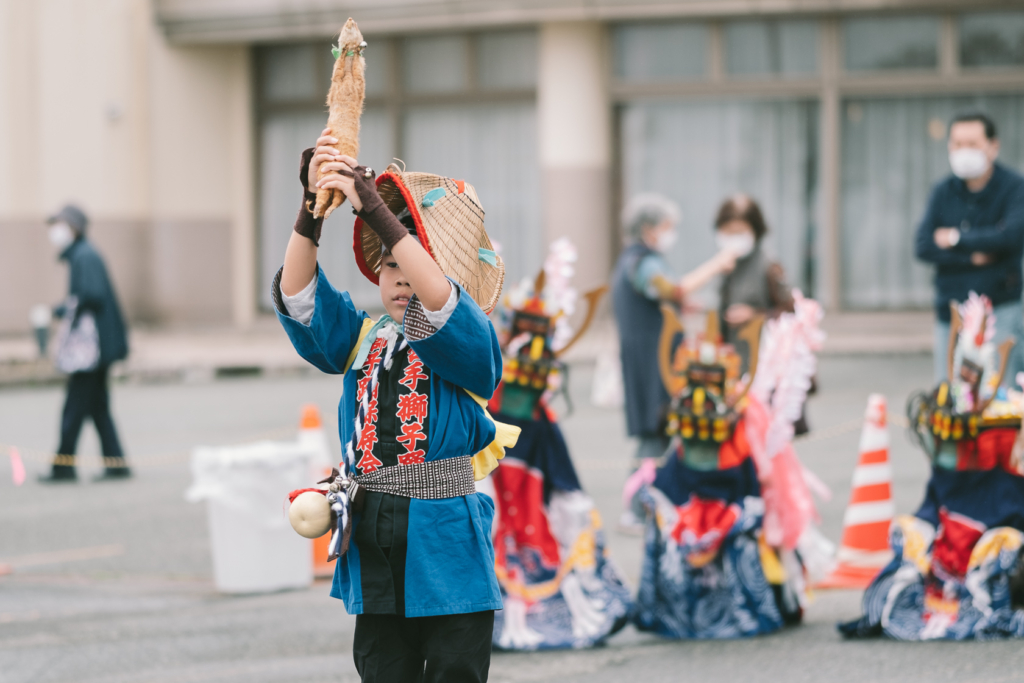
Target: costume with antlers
559,588
958,570
731,542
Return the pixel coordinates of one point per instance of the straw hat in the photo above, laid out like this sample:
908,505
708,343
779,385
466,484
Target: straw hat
450,225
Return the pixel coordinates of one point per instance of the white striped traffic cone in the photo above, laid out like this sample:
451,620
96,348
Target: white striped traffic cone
865,546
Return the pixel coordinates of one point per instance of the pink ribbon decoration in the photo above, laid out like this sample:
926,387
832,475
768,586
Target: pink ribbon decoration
17,467
644,476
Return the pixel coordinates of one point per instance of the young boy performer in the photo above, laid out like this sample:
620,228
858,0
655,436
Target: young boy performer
419,566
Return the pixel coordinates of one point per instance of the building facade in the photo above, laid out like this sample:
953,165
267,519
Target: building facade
178,124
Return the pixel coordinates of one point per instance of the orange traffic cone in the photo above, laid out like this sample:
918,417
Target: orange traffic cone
311,432
865,547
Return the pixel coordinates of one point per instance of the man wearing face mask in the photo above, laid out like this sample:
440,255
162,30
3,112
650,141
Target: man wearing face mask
642,281
87,395
973,231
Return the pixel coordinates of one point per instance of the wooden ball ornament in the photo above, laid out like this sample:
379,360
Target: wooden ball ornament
310,514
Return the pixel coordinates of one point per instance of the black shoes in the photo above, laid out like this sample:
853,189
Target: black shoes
66,474
59,474
113,474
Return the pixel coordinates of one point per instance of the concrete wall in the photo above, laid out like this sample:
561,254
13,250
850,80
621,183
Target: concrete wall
152,141
574,134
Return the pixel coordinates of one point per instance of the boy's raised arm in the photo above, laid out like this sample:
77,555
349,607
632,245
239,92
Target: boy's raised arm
327,334
300,256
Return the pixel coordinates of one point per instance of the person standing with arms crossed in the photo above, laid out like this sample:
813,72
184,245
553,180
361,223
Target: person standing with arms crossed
973,232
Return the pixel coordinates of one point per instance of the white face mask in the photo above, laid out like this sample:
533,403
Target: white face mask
665,240
968,163
61,236
740,244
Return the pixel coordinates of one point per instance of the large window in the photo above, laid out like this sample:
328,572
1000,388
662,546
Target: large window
771,49
700,153
650,53
458,105
992,39
891,43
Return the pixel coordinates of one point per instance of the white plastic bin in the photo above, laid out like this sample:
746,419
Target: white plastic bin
254,548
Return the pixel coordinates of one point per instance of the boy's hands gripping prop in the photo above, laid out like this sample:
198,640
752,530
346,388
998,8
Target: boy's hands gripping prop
375,213
345,99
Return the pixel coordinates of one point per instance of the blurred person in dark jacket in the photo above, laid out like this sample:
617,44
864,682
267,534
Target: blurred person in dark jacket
87,393
973,232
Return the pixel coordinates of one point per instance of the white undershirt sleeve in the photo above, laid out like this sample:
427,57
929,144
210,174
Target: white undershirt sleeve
300,307
439,318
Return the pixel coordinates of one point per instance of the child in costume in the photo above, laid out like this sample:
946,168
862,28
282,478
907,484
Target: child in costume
558,587
958,570
416,561
731,543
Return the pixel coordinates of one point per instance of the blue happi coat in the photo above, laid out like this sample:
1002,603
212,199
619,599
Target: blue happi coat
449,558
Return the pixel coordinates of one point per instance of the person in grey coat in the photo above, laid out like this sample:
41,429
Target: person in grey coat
87,393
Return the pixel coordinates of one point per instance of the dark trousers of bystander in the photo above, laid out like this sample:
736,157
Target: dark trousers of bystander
452,648
88,397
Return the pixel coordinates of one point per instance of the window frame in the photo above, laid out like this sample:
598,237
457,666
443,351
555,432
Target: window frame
394,99
831,86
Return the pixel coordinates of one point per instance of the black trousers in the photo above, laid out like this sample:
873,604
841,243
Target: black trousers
453,648
87,397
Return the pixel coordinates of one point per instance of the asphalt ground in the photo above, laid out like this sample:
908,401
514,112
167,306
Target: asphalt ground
113,582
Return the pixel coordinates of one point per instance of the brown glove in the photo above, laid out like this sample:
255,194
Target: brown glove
375,212
305,224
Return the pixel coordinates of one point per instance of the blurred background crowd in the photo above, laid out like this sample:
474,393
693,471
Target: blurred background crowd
171,120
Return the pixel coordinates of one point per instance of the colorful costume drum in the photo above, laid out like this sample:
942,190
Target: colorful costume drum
730,542
957,571
558,586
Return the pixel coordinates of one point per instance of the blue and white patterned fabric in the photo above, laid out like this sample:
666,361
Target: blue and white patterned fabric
559,588
703,575
916,598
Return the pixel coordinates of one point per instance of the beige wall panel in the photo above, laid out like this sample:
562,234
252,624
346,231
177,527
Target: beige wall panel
201,176
574,134
243,183
91,115
579,209
29,273
191,271
19,83
125,247
191,108
153,142
574,125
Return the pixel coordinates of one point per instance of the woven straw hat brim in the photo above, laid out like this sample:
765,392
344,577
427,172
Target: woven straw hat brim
451,230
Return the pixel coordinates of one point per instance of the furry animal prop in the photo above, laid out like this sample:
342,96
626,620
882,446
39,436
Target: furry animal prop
345,99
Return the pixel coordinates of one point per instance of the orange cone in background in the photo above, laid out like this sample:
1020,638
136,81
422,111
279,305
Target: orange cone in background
311,433
865,546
